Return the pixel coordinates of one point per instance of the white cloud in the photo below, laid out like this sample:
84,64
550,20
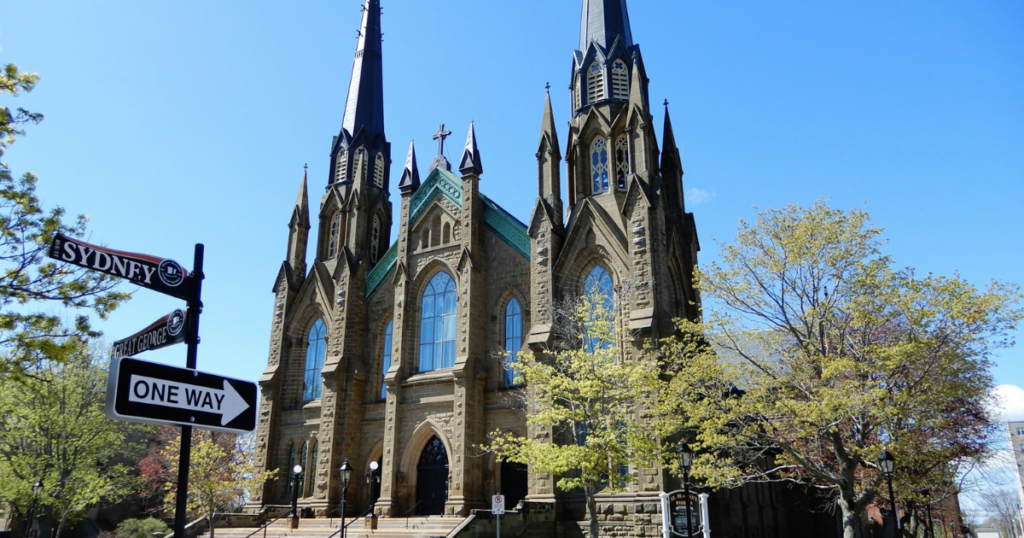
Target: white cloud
1009,402
699,196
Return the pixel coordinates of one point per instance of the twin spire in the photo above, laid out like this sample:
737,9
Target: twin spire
602,21
364,106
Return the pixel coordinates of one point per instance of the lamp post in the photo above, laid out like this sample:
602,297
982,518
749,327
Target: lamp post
372,479
685,458
929,531
346,477
37,489
296,485
887,464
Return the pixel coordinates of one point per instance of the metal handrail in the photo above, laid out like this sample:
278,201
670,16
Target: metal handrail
345,525
409,511
265,525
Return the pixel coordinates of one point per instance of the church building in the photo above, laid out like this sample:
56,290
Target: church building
396,353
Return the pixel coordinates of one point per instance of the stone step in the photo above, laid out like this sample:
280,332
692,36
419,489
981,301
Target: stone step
413,527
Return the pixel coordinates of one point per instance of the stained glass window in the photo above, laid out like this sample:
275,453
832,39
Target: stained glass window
316,351
437,323
385,363
513,339
599,165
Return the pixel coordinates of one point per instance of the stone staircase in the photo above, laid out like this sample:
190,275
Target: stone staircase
412,527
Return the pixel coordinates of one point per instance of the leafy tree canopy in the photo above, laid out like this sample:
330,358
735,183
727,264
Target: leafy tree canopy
29,281
838,354
55,430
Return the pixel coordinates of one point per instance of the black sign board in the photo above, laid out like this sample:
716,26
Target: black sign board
166,331
158,274
681,523
141,391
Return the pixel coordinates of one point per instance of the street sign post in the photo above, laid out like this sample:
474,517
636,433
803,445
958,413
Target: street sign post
165,276
141,391
166,331
498,509
158,274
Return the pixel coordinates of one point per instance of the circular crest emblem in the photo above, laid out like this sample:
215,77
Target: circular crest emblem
171,273
176,322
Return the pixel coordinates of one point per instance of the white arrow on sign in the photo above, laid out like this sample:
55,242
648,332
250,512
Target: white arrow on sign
148,390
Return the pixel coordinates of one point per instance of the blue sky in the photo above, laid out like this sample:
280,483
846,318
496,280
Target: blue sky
172,123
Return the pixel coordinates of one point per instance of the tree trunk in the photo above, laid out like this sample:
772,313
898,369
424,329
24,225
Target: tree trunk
213,519
591,495
853,521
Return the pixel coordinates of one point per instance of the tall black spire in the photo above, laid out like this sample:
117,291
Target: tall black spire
602,21
364,108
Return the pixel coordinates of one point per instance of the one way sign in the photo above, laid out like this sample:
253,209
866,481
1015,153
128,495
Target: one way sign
141,391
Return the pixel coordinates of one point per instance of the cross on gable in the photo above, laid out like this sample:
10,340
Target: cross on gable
440,135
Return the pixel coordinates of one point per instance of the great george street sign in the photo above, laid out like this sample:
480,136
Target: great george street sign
166,331
141,391
158,274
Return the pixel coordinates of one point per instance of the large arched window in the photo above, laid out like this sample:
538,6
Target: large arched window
595,83
305,470
385,362
620,80
437,323
599,165
291,465
598,290
311,473
316,350
513,339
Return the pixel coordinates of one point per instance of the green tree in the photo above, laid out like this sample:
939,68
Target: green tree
222,470
589,395
141,528
54,429
838,354
29,281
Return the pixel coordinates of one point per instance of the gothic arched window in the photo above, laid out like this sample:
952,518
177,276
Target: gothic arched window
385,361
333,236
374,239
291,465
360,169
305,470
598,290
620,80
513,339
599,165
316,351
595,83
339,166
378,171
437,323
311,474
621,161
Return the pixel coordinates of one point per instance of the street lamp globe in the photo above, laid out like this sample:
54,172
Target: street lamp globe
685,455
886,462
346,473
374,466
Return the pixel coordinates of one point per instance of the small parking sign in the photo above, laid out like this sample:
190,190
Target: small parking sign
498,505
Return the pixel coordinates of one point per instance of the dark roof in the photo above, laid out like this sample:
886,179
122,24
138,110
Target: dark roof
602,21
364,107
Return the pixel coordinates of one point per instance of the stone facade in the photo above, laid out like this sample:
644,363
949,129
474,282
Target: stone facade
625,213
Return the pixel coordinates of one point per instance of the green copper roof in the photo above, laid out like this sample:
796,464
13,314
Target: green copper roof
440,181
384,267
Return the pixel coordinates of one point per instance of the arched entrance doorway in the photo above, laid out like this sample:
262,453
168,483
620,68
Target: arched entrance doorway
432,478
513,483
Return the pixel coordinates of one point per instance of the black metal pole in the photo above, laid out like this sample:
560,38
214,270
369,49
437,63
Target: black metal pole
296,477
686,492
931,530
31,516
195,307
892,500
344,491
